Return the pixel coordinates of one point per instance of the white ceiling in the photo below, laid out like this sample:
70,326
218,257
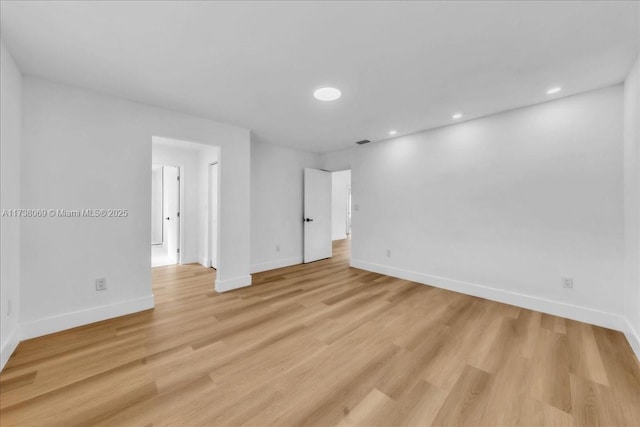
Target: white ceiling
400,65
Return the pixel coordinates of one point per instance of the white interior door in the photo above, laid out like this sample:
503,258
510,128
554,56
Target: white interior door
213,215
317,214
172,212
156,205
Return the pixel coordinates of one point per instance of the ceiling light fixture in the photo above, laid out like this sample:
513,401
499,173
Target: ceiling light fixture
327,94
554,90
393,132
457,116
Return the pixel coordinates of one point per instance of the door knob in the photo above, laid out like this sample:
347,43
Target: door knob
167,218
308,219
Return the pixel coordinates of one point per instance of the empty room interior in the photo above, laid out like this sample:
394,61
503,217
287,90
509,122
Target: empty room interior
357,213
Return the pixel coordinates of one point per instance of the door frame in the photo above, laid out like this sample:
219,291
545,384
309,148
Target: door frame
349,212
180,168
182,211
161,204
210,238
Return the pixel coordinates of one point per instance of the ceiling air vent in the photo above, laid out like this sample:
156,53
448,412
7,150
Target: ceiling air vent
364,141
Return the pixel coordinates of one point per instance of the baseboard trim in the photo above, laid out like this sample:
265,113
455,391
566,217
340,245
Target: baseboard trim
73,319
632,336
575,312
9,346
193,260
233,283
278,263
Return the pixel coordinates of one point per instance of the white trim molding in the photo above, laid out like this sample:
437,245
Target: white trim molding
278,263
632,336
9,346
575,312
233,283
190,260
74,319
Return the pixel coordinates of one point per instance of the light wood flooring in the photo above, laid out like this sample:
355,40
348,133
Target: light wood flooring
322,344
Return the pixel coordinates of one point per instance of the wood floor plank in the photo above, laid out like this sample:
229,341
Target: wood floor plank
322,344
463,405
584,356
527,328
366,413
420,406
548,379
623,373
592,404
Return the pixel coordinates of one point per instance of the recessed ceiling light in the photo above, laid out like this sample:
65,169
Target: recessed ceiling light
393,132
327,94
554,90
457,116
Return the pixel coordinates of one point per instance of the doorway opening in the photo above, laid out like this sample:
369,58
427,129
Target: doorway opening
165,215
184,203
327,214
317,215
341,211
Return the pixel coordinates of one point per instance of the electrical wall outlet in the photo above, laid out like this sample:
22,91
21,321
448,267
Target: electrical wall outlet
567,282
356,207
388,253
278,248
101,284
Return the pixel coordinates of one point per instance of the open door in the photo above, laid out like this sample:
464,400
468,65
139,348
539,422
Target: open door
172,212
317,214
156,205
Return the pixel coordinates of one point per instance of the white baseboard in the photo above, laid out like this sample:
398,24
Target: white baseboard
192,260
278,263
575,312
233,283
632,336
12,341
73,319
204,262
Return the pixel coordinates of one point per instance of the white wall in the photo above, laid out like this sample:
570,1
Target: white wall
502,206
73,141
277,204
632,204
340,183
341,159
10,137
187,160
